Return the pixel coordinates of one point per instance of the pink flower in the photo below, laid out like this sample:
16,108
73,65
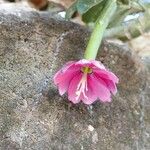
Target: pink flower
87,81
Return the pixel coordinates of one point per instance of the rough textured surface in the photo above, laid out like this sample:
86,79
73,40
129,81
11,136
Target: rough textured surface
34,117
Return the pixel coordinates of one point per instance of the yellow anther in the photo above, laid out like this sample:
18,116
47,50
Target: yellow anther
86,70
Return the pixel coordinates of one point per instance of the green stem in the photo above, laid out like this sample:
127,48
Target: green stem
100,27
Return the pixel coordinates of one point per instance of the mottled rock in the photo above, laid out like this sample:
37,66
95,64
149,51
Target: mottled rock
33,46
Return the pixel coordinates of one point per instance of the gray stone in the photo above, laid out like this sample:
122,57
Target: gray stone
33,46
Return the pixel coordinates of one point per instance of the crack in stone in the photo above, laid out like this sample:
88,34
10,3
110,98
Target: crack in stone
59,43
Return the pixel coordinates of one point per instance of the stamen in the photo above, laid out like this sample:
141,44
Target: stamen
82,86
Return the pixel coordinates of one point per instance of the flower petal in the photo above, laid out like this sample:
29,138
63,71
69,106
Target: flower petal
98,64
62,75
67,65
63,70
92,96
101,89
73,87
64,80
111,86
106,75
90,63
83,62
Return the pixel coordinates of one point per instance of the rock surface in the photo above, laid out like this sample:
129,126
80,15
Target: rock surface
33,46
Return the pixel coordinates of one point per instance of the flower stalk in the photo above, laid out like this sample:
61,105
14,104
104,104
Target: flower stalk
99,29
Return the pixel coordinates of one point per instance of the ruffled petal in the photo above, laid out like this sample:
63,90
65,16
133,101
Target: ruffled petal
64,80
83,62
61,71
67,65
90,93
90,63
63,77
97,64
64,73
111,86
106,75
72,96
101,89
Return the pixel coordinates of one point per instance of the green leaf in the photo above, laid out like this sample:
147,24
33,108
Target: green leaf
91,9
84,5
92,14
81,6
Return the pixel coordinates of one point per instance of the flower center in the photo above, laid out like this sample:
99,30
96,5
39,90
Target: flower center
86,70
